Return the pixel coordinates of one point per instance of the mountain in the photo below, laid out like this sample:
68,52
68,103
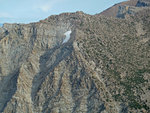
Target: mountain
113,11
124,8
76,63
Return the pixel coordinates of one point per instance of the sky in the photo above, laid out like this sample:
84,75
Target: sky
26,11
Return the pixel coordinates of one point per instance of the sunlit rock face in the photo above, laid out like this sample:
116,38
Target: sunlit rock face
41,72
76,63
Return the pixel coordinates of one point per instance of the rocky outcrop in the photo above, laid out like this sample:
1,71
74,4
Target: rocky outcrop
113,11
123,9
102,68
143,3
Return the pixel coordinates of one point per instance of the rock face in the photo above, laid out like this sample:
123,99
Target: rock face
126,10
123,9
143,3
103,68
113,11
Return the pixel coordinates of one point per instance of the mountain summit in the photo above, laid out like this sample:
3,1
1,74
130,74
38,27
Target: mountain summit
124,8
77,63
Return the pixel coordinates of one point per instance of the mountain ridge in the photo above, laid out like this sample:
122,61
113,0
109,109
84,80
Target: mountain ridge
103,67
126,7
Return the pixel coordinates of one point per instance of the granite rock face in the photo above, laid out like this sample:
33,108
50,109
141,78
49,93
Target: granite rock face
103,68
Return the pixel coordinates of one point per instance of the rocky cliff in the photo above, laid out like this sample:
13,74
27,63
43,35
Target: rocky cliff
123,9
113,11
103,68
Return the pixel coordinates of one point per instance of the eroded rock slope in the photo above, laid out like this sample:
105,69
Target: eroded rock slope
102,68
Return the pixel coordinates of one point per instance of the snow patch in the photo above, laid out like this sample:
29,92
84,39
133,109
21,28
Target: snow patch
67,36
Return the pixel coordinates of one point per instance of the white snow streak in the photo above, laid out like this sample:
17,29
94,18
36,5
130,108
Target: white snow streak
67,36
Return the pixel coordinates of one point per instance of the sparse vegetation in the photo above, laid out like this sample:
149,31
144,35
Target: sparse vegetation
116,46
